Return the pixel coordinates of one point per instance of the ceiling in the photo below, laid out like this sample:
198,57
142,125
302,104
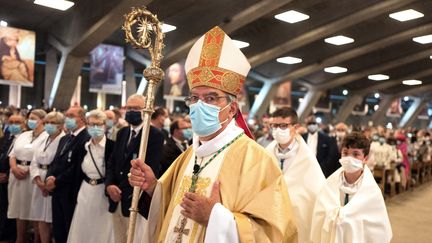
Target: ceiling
382,45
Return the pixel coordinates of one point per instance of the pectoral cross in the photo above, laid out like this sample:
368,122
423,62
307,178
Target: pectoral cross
181,230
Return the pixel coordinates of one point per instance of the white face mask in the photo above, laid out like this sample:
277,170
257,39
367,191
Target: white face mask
340,134
281,136
350,164
312,128
167,123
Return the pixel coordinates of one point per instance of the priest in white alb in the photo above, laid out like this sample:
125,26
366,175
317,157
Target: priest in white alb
350,207
299,166
225,187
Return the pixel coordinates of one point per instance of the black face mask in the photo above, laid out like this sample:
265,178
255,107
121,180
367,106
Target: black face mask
133,117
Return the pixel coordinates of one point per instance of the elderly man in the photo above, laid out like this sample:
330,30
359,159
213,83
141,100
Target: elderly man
341,131
225,187
61,177
323,146
126,148
112,124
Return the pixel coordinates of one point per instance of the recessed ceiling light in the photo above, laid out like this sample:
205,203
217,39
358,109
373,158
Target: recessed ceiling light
292,16
240,44
289,60
3,23
406,15
57,4
406,98
335,69
167,28
339,40
376,95
376,107
423,39
412,82
378,77
345,92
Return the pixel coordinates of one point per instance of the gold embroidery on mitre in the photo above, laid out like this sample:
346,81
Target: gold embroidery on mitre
212,47
201,187
216,77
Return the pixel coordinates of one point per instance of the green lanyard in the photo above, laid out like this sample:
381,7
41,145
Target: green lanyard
197,168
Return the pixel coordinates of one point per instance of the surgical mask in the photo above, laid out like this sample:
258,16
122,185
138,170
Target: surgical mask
14,129
205,118
96,131
70,124
187,133
50,129
351,164
281,136
340,134
134,117
312,128
32,124
109,123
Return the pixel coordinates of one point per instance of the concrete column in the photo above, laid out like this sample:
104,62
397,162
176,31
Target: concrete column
263,99
15,95
50,72
131,87
101,101
309,101
347,107
412,112
379,115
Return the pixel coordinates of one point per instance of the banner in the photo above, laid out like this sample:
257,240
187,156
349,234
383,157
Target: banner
175,83
395,109
17,55
106,69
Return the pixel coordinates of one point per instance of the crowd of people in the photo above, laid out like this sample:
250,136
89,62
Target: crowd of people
70,175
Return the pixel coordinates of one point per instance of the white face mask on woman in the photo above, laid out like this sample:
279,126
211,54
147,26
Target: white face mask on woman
351,164
281,136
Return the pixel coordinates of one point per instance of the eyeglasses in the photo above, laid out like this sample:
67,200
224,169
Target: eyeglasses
282,126
211,99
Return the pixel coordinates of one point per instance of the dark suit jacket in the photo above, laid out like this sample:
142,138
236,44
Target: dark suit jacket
64,166
170,152
5,143
118,166
327,153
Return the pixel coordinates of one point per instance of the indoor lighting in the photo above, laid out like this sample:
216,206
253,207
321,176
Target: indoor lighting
345,92
376,107
430,57
3,23
378,77
339,40
406,15
167,28
289,60
423,39
57,4
291,16
335,69
412,82
376,95
406,98
240,44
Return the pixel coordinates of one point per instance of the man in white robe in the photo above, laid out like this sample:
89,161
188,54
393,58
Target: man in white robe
225,187
350,207
298,165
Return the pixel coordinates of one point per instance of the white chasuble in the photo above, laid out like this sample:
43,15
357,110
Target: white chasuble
180,227
363,219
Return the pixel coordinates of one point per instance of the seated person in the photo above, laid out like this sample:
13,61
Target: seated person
350,207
